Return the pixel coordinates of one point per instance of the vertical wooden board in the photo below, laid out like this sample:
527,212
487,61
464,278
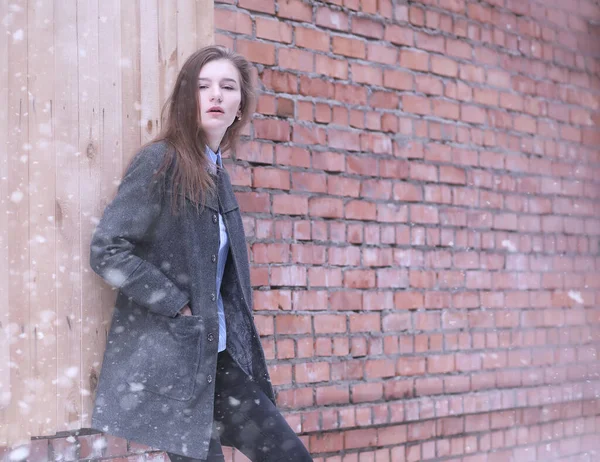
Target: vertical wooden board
42,194
149,70
93,332
167,48
130,78
20,409
4,198
67,209
205,23
108,170
186,30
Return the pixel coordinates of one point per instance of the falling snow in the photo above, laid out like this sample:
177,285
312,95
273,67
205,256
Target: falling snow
575,296
19,454
18,35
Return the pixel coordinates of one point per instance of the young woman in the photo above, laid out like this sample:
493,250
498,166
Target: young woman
184,370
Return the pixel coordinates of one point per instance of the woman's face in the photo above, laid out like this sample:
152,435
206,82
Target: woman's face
219,97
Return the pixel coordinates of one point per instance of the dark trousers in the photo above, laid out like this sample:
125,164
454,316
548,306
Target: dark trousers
246,419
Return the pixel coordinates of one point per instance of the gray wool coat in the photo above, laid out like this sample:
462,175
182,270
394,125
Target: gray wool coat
157,381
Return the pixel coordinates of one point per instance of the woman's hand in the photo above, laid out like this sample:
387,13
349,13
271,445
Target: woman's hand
185,311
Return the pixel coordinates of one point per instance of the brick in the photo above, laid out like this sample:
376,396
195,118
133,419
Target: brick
346,300
360,438
332,395
272,29
258,52
398,80
233,21
416,60
253,202
271,178
290,325
316,87
336,68
280,82
298,157
286,204
472,114
428,42
343,140
330,324
276,130
367,392
263,6
66,448
326,207
328,442
364,322
300,60
332,19
312,372
366,74
312,38
295,9
272,300
381,53
270,253
444,66
367,27
348,47
280,374
308,135
399,35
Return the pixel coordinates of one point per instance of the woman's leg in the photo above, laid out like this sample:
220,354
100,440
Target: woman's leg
215,452
249,421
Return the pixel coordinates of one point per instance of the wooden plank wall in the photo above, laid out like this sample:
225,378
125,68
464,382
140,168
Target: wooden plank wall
82,83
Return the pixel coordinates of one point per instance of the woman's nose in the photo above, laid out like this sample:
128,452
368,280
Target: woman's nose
215,94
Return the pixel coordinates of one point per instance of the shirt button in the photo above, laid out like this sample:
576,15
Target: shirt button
215,218
211,337
209,379
213,297
213,258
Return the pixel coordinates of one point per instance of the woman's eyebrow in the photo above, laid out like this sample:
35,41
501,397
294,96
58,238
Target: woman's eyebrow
227,79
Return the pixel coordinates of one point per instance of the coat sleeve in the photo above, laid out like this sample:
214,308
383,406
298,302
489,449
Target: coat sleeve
126,222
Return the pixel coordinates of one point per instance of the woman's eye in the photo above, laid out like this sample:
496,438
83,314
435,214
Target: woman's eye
228,87
202,87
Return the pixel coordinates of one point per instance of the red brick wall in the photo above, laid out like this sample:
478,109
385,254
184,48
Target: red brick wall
420,189
421,193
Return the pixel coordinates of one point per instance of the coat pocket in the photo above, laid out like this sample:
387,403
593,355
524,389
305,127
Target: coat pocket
167,356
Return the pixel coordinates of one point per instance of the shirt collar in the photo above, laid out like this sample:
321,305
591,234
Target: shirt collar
216,158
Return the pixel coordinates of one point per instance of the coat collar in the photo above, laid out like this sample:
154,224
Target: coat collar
224,201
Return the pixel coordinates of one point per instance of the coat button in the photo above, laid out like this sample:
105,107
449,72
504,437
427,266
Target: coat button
215,218
213,297
211,337
213,258
209,379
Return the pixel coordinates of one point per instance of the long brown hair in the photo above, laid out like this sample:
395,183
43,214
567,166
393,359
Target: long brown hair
187,161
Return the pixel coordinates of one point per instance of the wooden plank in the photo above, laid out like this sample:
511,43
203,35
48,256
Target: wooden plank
90,167
130,78
4,209
205,23
149,70
42,254
68,248
21,404
107,170
167,47
186,30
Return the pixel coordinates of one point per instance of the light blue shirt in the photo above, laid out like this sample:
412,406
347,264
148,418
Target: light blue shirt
221,259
